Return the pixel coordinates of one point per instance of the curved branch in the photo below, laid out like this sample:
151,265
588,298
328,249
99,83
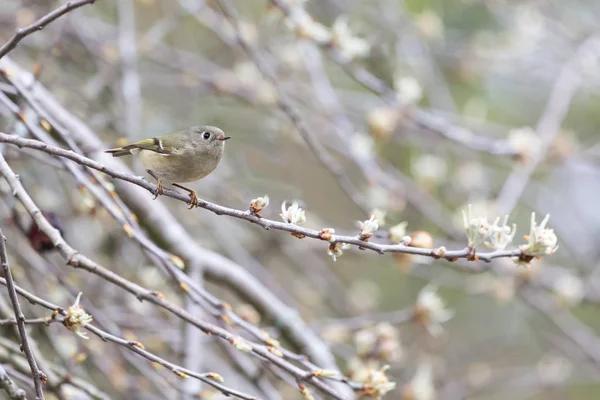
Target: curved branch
38,25
450,255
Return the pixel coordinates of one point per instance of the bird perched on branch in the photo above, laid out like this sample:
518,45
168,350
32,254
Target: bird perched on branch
184,156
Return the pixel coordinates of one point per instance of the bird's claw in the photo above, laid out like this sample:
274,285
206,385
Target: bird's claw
194,202
160,190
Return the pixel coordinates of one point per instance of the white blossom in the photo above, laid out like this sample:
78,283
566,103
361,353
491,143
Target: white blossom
292,215
306,27
421,386
77,318
542,241
349,46
525,142
368,227
397,232
259,203
431,310
500,236
477,229
377,383
408,90
335,250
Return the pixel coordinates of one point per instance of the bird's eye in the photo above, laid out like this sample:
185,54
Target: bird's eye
206,135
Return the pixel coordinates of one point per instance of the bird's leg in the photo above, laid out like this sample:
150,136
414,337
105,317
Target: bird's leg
193,198
159,186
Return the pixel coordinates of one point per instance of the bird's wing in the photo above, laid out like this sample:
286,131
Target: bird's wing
152,144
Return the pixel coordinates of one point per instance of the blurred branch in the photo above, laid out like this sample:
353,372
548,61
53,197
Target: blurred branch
36,321
163,224
78,260
286,106
38,25
420,118
59,314
548,126
11,389
38,376
130,82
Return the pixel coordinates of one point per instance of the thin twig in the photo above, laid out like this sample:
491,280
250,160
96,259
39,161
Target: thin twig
548,126
210,378
159,220
78,260
38,25
11,389
449,255
38,376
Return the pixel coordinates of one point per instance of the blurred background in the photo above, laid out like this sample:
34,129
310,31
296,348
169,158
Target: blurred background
408,109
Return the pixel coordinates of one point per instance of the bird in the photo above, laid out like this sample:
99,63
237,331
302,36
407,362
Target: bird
185,156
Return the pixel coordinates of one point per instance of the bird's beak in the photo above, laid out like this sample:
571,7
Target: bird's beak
225,138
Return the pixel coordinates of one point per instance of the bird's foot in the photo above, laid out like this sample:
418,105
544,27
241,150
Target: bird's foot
193,200
160,190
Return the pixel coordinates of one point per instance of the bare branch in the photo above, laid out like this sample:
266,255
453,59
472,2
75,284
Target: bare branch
11,389
248,216
38,376
40,24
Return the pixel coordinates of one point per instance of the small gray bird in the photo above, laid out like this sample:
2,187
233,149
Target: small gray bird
184,156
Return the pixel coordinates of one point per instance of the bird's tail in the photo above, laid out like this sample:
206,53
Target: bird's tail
118,152
122,151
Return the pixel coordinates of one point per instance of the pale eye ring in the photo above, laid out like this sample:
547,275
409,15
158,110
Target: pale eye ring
206,135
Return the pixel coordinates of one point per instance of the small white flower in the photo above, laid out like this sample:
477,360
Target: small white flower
335,250
500,236
542,241
430,24
293,214
77,318
477,229
408,90
429,169
382,121
377,383
430,310
398,232
379,216
349,46
306,27
368,227
421,386
569,289
525,142
259,203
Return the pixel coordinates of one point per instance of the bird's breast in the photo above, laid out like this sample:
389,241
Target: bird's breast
179,168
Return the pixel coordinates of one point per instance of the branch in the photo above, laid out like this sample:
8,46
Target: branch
78,260
549,124
38,376
11,389
210,378
248,216
38,25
